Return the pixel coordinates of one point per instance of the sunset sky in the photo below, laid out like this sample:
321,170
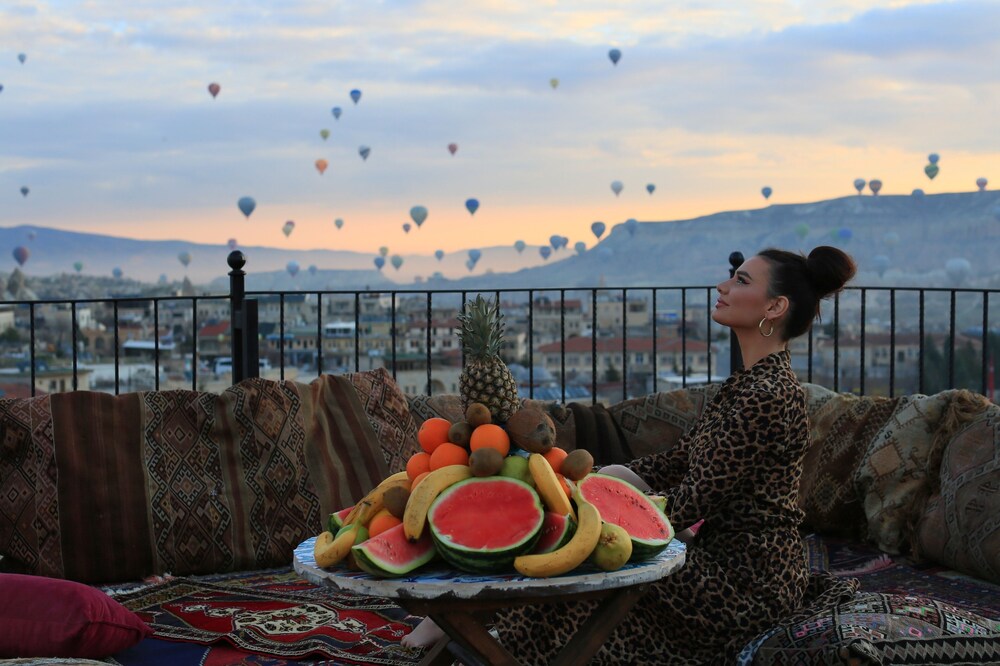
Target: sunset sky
110,124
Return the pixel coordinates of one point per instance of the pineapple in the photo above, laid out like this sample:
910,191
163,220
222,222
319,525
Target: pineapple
485,377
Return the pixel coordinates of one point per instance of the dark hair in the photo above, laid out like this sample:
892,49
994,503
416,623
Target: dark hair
805,281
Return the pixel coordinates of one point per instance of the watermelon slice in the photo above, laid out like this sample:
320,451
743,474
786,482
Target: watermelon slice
556,531
621,503
481,524
392,554
336,520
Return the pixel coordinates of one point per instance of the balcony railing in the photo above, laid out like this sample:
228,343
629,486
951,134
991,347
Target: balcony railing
570,344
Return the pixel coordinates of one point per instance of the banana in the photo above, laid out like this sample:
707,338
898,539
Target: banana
548,485
366,509
415,515
330,550
570,556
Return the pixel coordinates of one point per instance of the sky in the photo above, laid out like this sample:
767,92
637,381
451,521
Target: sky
110,124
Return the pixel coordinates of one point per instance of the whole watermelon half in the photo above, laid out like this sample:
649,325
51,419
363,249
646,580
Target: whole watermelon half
392,554
621,503
481,524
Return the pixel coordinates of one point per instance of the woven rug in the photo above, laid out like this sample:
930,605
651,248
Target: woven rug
266,618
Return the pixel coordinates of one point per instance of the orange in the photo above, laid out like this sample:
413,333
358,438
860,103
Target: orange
565,485
490,436
448,454
432,433
555,456
418,464
416,481
381,523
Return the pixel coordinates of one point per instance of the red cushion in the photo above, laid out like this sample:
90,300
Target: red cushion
49,617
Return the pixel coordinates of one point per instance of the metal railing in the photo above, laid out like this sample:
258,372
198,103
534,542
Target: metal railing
567,343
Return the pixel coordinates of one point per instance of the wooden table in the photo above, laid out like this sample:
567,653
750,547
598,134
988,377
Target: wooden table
463,605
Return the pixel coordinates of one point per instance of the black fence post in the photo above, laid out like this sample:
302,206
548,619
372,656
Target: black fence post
243,321
735,356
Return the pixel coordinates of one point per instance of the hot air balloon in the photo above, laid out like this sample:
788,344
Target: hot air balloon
24,191
383,251
396,261
1,87
21,254
339,223
981,184
996,213
232,244
891,238
472,205
117,273
859,184
958,270
356,95
554,82
616,187
336,111
452,148
163,278
933,158
580,247
406,227
287,228
293,268
379,262
474,255
931,170
555,242
650,188
631,226
545,251
78,266
519,245
184,258
214,89
564,241
32,235
598,229
246,205
844,234
439,254
321,165
615,56
312,269
470,264
418,214
881,263
917,193
325,133
364,151
802,230
875,185
766,191
22,57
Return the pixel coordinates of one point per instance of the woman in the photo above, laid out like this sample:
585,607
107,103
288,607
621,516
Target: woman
738,469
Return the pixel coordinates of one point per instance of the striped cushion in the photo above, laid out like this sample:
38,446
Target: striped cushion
100,488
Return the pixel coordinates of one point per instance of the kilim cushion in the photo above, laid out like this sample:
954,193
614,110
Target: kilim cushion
100,488
961,526
654,423
388,412
876,628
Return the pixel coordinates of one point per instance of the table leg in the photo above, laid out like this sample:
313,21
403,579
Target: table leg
438,654
591,635
472,634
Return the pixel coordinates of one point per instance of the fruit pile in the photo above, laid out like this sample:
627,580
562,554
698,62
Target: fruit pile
492,499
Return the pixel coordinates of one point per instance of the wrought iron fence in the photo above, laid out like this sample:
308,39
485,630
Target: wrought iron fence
568,344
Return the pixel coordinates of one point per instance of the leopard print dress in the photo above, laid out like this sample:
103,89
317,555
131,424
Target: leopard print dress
738,468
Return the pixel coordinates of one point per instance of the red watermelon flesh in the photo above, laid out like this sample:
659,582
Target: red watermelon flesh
392,554
621,503
556,531
337,519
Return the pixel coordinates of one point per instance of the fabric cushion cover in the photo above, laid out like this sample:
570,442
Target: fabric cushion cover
48,617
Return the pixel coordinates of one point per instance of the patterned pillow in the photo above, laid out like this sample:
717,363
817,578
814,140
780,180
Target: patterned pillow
877,628
654,422
959,527
388,412
841,427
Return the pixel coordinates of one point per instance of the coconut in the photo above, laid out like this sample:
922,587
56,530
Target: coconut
532,430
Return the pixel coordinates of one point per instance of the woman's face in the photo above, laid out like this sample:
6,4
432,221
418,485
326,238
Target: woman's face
743,298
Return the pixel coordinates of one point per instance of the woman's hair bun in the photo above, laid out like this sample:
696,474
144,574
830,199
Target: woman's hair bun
829,269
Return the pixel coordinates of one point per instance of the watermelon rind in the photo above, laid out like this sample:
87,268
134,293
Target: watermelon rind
557,530
336,520
594,488
494,559
371,557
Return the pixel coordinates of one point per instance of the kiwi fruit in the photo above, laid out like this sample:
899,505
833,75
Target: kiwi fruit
395,500
577,464
478,414
460,433
485,462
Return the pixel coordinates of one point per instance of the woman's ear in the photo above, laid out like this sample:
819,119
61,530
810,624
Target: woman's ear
779,306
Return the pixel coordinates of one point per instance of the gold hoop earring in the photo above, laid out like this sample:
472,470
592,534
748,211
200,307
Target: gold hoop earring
760,327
